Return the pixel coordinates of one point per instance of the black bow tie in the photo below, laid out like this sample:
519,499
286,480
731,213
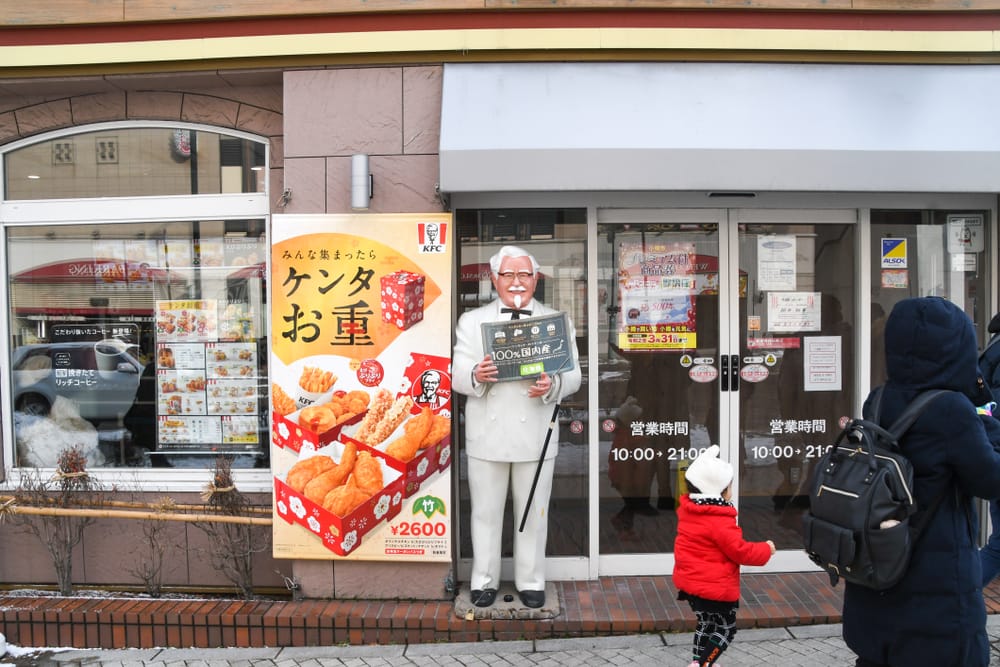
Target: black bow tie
515,313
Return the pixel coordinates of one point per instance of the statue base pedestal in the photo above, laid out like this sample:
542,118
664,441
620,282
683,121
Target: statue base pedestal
507,606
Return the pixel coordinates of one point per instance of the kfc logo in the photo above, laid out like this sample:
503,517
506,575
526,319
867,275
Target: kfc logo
431,236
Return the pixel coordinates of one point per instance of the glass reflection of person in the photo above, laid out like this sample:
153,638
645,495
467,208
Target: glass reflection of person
505,431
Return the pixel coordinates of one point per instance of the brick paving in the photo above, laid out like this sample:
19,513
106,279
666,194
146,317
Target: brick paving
790,618
813,645
605,607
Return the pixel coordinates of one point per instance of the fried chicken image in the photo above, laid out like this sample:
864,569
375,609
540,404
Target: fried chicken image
317,489
416,429
440,427
377,409
283,403
341,500
419,425
306,470
368,474
394,416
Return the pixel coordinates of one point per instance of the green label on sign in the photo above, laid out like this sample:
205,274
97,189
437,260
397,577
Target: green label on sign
536,368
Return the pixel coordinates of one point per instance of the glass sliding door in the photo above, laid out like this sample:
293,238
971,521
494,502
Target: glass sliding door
659,369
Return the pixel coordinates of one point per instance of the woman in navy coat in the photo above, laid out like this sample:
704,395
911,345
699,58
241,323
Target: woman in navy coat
936,614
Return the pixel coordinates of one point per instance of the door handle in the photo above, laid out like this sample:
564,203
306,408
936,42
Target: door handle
734,368
724,375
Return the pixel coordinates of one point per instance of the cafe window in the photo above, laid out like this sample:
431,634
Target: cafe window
134,335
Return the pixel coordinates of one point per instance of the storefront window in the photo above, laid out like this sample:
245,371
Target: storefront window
557,239
144,344
124,162
927,253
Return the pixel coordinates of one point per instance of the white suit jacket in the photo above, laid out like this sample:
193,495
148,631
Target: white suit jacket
501,422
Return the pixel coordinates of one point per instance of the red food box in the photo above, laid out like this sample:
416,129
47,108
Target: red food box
426,462
402,298
341,535
287,433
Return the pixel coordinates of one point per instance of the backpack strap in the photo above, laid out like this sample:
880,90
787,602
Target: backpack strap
912,411
898,428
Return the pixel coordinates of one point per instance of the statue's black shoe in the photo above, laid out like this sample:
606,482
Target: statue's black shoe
483,598
533,599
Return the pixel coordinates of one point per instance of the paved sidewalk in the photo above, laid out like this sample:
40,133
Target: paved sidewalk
813,645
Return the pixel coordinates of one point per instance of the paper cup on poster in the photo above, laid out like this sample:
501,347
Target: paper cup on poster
306,398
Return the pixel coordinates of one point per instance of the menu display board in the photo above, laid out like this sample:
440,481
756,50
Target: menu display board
361,386
207,394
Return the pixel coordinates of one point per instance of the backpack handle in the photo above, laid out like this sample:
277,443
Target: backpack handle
877,432
852,431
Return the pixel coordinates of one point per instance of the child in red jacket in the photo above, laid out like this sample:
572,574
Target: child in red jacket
708,552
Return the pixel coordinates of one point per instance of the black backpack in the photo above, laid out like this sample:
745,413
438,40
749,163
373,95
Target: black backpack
861,499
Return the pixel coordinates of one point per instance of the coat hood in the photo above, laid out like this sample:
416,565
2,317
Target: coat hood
931,343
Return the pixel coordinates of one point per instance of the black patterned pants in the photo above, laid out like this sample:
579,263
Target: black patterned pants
713,635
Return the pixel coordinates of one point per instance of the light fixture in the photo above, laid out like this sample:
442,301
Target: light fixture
362,183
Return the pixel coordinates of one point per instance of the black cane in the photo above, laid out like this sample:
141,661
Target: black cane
538,470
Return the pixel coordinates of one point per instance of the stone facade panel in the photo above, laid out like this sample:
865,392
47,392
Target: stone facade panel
306,178
8,127
42,117
388,579
259,121
98,108
154,104
421,109
210,110
405,184
344,111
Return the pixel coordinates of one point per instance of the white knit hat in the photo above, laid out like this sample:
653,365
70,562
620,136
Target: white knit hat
710,473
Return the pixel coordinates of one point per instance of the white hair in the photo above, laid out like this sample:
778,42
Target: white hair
511,251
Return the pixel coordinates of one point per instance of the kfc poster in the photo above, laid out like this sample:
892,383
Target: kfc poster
656,284
361,386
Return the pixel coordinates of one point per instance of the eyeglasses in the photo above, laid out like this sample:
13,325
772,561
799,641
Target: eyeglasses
523,276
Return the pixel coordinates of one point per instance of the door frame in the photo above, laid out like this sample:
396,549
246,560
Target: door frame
749,205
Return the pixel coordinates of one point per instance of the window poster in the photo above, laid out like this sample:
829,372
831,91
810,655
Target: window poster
822,363
793,311
656,285
207,396
361,386
776,262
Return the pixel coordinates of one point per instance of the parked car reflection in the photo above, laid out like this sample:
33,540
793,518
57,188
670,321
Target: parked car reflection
100,377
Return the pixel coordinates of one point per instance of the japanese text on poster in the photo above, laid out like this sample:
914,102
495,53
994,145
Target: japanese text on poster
361,386
656,284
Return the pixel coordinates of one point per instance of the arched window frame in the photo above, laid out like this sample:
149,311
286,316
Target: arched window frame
113,210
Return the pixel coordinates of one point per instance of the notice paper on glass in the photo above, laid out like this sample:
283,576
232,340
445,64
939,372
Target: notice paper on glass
528,347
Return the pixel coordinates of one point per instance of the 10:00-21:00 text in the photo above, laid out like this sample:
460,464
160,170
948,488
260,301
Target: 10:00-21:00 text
691,453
